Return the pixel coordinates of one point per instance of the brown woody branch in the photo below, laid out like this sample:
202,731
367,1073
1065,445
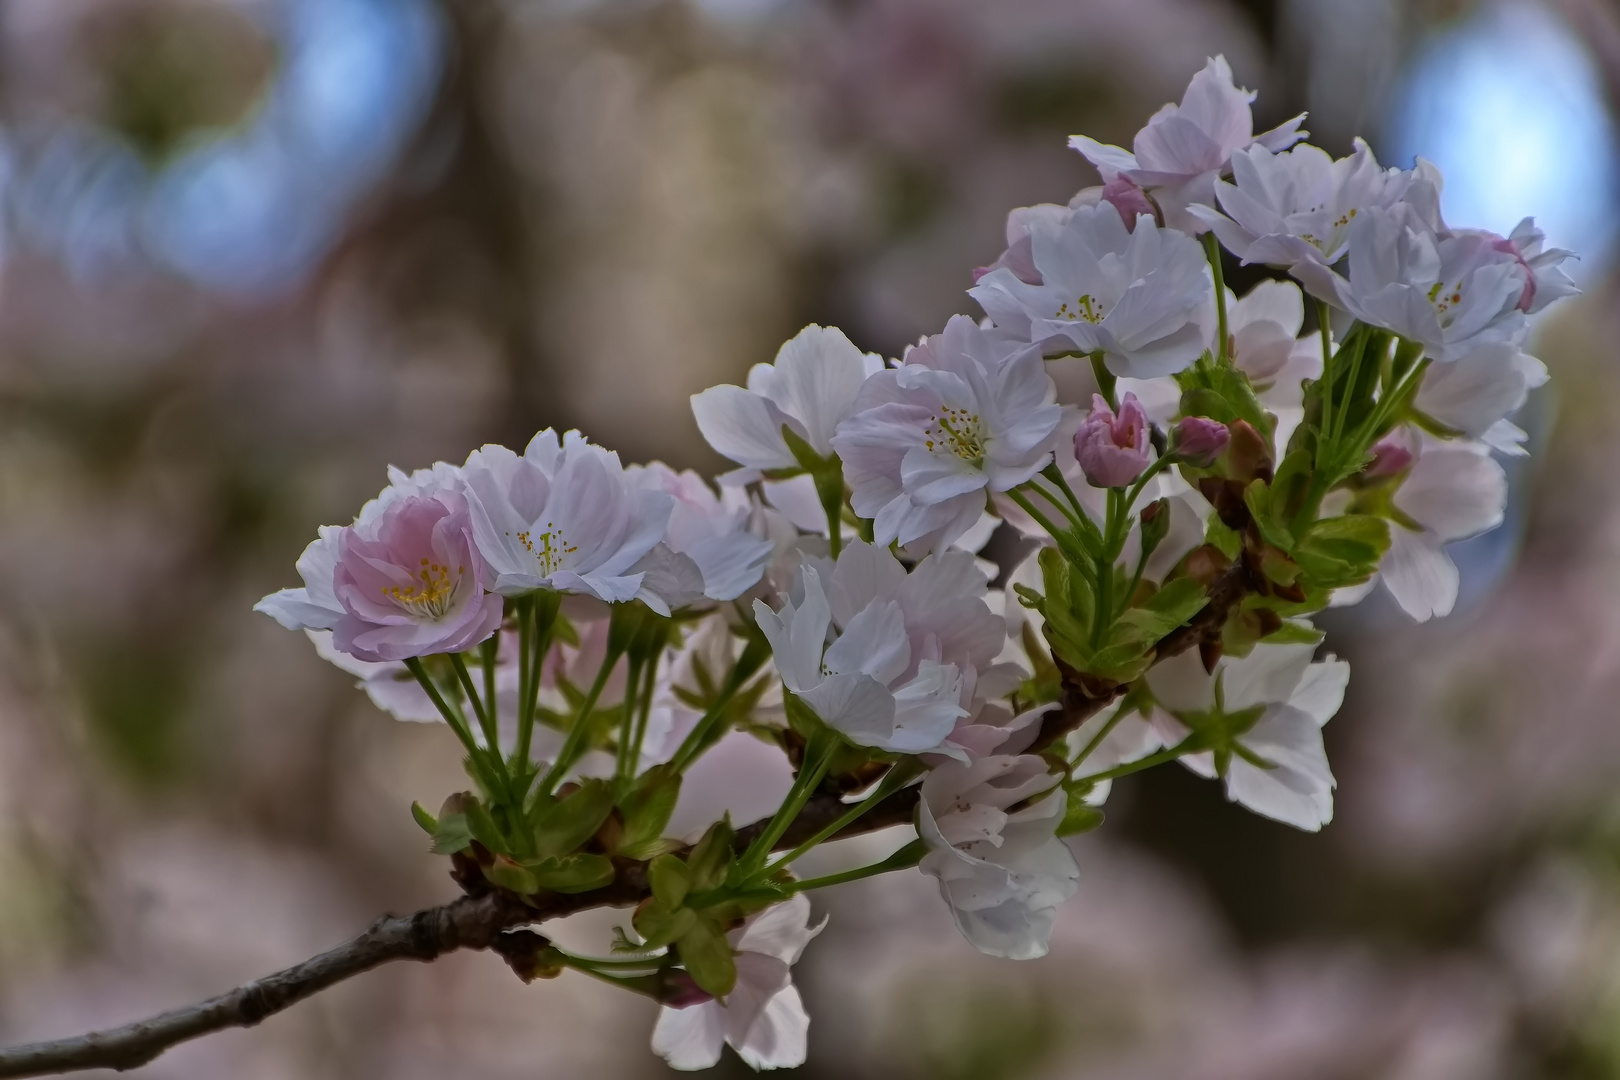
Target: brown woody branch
471,922
480,921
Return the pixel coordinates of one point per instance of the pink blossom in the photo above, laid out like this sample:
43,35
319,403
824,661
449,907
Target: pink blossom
1124,195
410,582
1113,450
1201,440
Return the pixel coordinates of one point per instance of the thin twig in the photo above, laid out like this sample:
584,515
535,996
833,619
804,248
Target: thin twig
478,922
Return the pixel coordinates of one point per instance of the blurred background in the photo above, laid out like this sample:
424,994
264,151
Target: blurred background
253,251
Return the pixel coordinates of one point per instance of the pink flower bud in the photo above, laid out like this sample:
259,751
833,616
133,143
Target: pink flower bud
1113,450
1123,195
1200,440
1391,457
681,991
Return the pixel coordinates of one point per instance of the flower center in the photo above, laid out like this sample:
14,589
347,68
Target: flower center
1444,300
431,593
956,431
548,547
1086,308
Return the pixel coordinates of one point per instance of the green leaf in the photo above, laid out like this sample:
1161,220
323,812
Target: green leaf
712,856
647,808
660,925
511,875
1257,497
564,825
1223,538
428,823
483,827
1289,487
670,880
452,835
580,872
1122,662
1221,393
1067,607
1341,551
1165,610
1294,633
706,954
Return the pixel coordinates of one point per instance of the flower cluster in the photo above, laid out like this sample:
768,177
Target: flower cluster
1208,479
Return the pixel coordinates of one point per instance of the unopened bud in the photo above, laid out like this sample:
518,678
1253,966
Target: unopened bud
1200,440
1155,525
1113,450
1390,457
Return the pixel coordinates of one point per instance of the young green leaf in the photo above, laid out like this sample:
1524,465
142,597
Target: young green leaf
670,880
707,956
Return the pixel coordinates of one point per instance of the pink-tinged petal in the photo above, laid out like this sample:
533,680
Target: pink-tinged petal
692,1038
1419,574
743,426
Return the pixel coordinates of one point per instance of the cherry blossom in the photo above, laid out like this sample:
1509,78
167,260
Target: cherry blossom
965,412
1132,295
1264,712
563,516
1002,871
810,389
763,1017
1184,147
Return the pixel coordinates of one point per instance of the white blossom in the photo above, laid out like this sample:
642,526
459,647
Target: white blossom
1475,395
905,651
564,516
810,388
1294,209
1133,295
1451,294
714,531
1271,706
1183,148
1002,871
763,1017
1455,490
964,413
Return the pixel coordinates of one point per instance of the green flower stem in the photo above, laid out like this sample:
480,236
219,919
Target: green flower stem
829,481
904,859
643,714
901,774
1324,316
488,654
1212,248
623,768
1096,740
1041,519
1075,516
818,755
1159,758
537,616
1106,379
486,719
574,742
457,723
1088,527
650,985
1154,468
753,657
